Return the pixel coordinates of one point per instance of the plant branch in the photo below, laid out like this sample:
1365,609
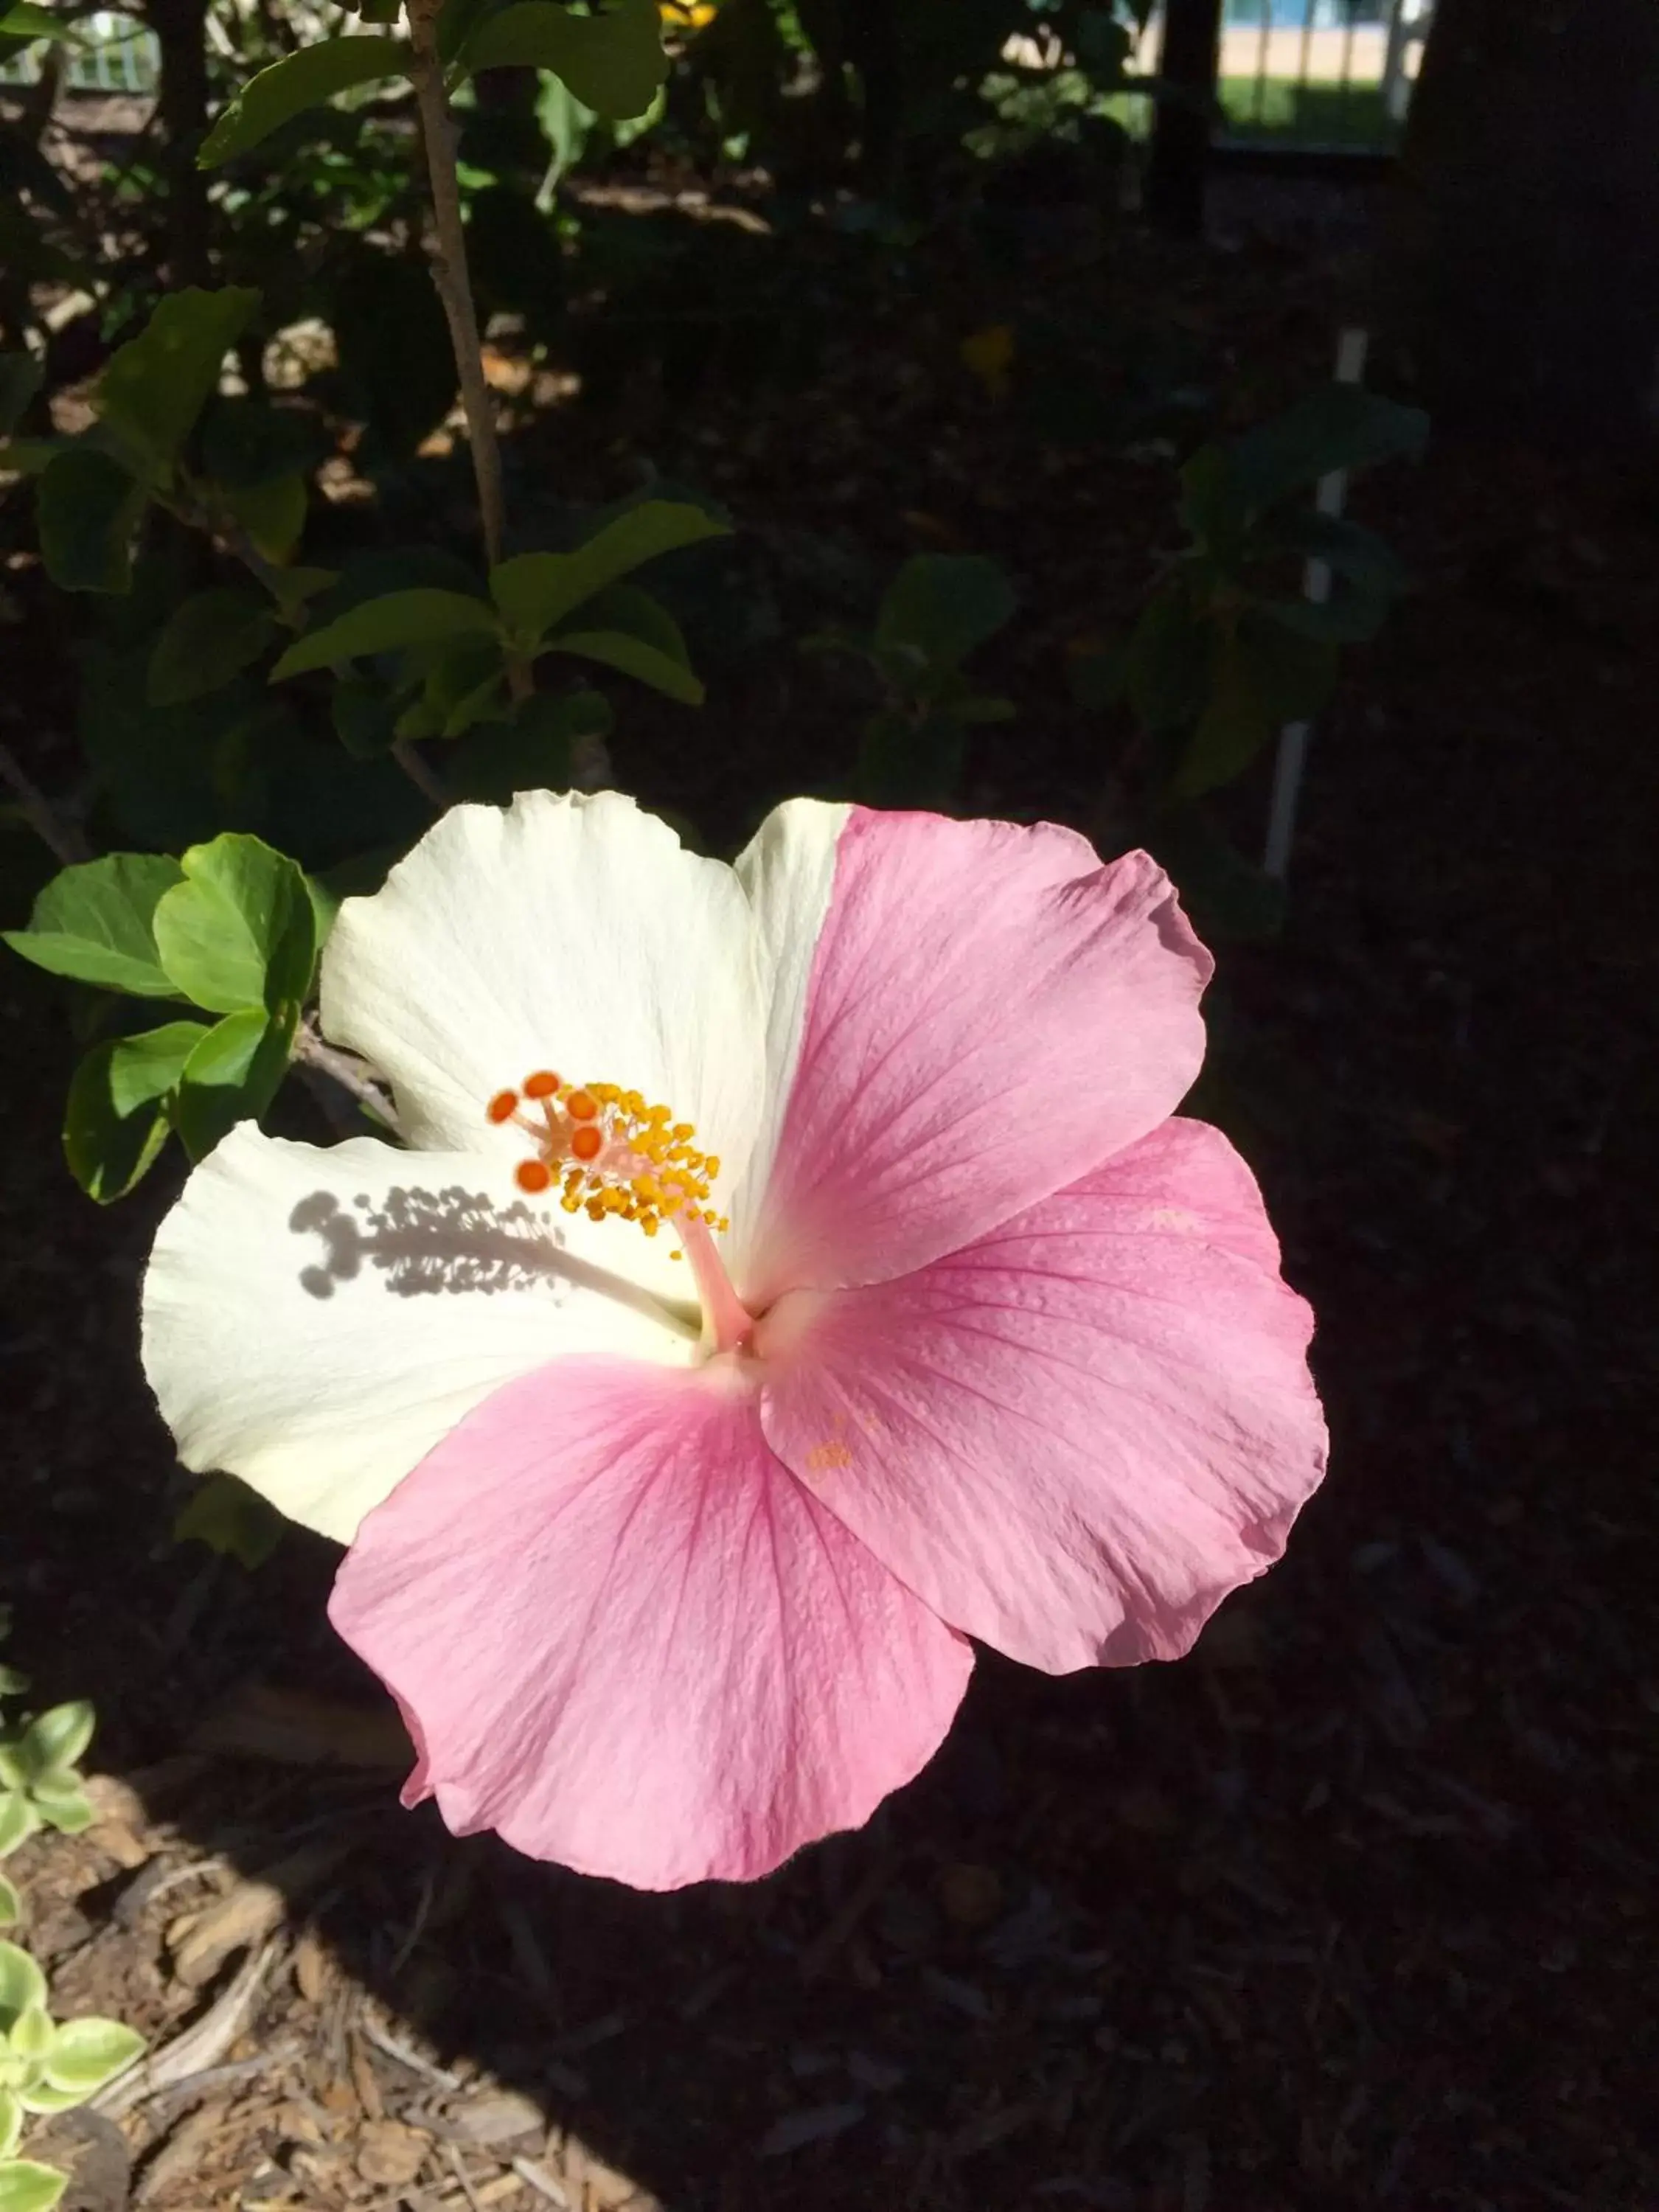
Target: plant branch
449,272
64,840
419,774
344,1068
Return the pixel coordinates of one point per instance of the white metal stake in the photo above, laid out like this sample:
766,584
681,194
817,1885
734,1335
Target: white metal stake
1293,756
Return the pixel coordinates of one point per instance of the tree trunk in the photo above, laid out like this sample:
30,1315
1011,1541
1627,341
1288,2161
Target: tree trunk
1521,275
1178,168
180,28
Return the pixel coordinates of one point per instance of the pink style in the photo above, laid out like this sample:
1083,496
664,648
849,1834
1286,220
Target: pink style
986,1344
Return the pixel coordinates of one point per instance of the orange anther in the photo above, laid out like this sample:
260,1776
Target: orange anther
503,1106
581,1106
586,1144
532,1176
543,1085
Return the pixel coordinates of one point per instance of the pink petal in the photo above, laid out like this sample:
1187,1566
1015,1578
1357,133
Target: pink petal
627,1638
991,1012
1075,1437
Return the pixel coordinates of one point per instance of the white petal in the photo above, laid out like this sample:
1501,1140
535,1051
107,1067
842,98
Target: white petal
316,1320
788,871
573,934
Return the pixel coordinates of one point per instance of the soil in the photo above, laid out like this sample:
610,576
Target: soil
1354,1907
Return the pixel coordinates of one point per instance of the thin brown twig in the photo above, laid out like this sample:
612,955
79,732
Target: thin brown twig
62,837
419,774
345,1069
449,272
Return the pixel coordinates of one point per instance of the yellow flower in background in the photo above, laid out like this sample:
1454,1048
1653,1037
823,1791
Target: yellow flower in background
989,355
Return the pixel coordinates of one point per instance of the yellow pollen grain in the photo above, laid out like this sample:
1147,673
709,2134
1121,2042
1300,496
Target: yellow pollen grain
604,1151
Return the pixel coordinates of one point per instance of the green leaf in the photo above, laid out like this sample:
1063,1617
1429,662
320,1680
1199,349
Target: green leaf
25,2186
248,443
304,80
24,20
11,1909
231,1520
1264,677
942,606
58,1738
18,1820
231,1076
94,921
84,2054
11,2112
20,379
239,931
156,385
1167,660
531,753
208,639
385,625
1212,507
22,1984
31,457
537,590
88,508
115,1123
614,63
67,1808
1339,426
1346,548
272,515
30,2037
635,634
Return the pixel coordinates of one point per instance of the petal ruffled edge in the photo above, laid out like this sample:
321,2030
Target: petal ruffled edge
628,1640
1075,1437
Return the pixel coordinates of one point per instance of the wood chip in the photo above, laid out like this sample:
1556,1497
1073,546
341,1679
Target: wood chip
180,2155
390,2155
117,1841
538,2178
248,1911
503,2116
311,1966
201,2045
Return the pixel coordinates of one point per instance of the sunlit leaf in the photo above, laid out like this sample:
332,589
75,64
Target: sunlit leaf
537,590
155,388
613,61
231,1520
299,81
115,1121
56,1738
238,931
231,1076
84,2054
27,2186
22,1984
94,921
384,625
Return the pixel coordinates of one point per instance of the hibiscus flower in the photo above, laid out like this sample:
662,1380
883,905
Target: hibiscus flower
795,1271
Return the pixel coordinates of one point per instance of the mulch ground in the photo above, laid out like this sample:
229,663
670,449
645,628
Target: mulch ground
1356,1906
